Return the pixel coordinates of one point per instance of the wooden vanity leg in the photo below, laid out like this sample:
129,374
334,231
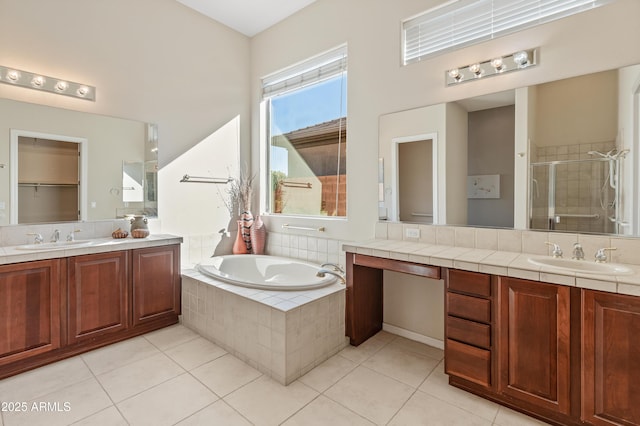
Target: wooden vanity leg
363,301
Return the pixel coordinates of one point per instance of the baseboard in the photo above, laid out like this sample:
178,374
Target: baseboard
413,336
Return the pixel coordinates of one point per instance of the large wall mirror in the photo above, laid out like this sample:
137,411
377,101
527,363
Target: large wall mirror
555,156
60,165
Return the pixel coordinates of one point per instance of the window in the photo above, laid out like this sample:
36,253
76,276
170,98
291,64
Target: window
461,23
307,136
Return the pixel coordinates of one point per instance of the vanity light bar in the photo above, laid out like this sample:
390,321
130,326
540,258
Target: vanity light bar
517,61
55,85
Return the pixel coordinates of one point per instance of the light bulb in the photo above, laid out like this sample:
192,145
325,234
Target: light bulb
521,59
13,76
82,91
455,74
497,64
38,81
476,69
61,86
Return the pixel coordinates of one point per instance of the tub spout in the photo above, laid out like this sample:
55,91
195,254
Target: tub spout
322,272
335,267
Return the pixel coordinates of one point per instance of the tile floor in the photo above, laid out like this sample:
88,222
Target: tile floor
175,377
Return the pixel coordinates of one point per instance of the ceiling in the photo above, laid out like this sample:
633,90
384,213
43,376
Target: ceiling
247,16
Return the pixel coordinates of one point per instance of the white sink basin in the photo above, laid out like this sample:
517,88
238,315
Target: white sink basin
54,246
583,266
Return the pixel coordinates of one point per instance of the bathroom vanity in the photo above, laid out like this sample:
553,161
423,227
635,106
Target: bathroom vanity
566,353
57,303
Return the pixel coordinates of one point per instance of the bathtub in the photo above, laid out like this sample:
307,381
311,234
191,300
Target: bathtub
265,272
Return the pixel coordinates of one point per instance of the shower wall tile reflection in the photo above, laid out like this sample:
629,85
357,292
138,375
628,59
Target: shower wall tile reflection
583,198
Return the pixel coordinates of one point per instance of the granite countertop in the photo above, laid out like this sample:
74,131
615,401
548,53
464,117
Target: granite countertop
505,263
30,252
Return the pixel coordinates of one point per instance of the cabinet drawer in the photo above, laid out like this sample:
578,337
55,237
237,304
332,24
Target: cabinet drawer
469,282
468,362
470,332
468,307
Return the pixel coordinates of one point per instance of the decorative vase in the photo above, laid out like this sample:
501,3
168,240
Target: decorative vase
139,228
239,246
258,235
247,221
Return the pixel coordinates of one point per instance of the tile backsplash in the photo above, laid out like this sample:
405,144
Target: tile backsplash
514,240
19,234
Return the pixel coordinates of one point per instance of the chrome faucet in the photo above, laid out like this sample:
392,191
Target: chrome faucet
55,237
601,256
578,253
557,251
335,267
71,235
38,237
322,272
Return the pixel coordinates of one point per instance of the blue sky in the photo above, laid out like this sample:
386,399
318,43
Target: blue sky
307,107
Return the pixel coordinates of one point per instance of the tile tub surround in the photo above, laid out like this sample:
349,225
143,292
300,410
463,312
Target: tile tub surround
504,252
197,248
284,334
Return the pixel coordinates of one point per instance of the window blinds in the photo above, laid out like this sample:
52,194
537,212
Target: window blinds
461,23
308,72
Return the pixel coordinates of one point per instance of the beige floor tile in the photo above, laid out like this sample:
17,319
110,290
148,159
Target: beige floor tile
107,417
423,409
437,385
63,406
417,347
139,376
322,411
328,373
194,353
44,380
218,413
167,403
508,417
119,354
225,374
361,353
401,364
169,337
370,394
266,402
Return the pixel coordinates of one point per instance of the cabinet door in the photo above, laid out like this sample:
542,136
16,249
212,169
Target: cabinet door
29,309
98,295
610,358
534,343
156,283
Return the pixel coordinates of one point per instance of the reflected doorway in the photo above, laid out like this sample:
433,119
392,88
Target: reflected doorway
415,181
46,178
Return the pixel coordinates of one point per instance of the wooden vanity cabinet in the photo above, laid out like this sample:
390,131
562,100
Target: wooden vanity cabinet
534,343
54,309
30,310
469,307
610,358
98,295
156,284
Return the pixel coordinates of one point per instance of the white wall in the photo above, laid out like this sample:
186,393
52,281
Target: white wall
379,85
150,60
593,41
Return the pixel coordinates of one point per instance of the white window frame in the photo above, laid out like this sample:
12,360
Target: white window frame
305,73
460,23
